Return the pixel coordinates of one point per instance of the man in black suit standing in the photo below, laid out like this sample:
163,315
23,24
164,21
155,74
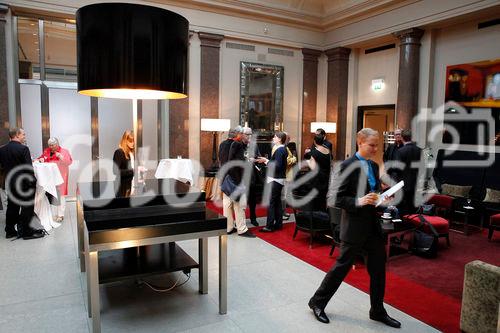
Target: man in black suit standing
224,147
360,230
20,186
390,153
410,155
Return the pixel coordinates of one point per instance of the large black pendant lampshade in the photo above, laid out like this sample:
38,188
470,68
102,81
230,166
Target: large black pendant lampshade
131,51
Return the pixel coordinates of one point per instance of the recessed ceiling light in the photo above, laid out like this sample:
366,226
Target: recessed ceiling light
36,42
34,34
32,24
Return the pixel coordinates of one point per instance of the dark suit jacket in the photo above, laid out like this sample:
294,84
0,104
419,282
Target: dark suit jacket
390,152
407,154
121,165
236,153
224,151
358,222
14,154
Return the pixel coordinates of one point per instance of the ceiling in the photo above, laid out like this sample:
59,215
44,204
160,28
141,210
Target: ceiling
320,15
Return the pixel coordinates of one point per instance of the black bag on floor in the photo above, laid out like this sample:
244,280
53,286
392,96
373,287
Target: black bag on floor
425,245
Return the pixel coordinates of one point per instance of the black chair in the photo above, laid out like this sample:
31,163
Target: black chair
335,218
310,221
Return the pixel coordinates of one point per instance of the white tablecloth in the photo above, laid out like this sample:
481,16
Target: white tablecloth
180,169
47,178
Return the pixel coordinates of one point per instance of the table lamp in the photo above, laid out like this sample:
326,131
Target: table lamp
329,127
131,51
214,126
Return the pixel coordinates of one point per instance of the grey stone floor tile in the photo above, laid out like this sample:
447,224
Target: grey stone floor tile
36,281
128,308
268,292
223,326
56,314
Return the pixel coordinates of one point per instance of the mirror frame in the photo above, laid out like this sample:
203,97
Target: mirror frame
277,73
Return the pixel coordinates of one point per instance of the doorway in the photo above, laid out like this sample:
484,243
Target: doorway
382,119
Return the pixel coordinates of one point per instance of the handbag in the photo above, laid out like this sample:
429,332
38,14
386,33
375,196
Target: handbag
427,209
425,245
229,188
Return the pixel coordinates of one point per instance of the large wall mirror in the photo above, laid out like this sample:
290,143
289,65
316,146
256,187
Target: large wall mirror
261,98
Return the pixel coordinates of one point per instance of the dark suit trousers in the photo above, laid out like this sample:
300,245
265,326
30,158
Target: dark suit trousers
275,209
252,202
18,213
374,251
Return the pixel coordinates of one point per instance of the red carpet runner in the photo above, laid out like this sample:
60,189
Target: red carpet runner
427,289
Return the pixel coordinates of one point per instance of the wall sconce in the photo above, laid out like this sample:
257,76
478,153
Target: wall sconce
329,127
378,84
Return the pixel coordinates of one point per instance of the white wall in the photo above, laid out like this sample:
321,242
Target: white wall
384,65
230,83
461,44
322,88
194,97
31,114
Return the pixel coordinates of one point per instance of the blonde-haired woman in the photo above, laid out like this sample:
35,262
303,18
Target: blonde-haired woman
123,158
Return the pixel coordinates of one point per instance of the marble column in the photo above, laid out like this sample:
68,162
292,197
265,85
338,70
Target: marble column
310,93
409,63
178,120
4,93
209,90
336,102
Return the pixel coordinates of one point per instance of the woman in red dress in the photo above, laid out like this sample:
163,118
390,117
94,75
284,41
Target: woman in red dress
56,154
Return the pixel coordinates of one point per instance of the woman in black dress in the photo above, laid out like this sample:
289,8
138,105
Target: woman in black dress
321,160
123,163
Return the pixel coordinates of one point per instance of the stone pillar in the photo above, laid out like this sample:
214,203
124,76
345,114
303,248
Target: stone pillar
4,93
178,120
409,63
209,89
336,102
310,93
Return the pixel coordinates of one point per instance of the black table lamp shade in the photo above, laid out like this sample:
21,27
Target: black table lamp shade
131,51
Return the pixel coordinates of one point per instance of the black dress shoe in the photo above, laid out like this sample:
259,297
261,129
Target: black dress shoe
10,234
254,222
384,318
33,234
319,313
232,231
266,229
247,234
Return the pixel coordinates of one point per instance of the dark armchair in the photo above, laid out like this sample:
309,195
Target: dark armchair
309,220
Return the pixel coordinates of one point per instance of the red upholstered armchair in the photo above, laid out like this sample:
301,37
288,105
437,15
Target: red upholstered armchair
441,225
494,225
443,204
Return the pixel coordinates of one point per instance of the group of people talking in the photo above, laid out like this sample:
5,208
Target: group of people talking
354,187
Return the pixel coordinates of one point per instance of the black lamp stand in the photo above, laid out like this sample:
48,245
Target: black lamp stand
214,167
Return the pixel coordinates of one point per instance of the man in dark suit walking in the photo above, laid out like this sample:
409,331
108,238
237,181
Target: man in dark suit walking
360,231
20,185
410,155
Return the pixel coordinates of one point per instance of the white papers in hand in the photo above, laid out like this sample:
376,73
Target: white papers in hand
390,192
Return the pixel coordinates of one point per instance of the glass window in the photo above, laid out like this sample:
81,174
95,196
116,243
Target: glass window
29,50
60,51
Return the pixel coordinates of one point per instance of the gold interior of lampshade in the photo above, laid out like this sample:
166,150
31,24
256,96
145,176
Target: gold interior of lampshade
132,93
